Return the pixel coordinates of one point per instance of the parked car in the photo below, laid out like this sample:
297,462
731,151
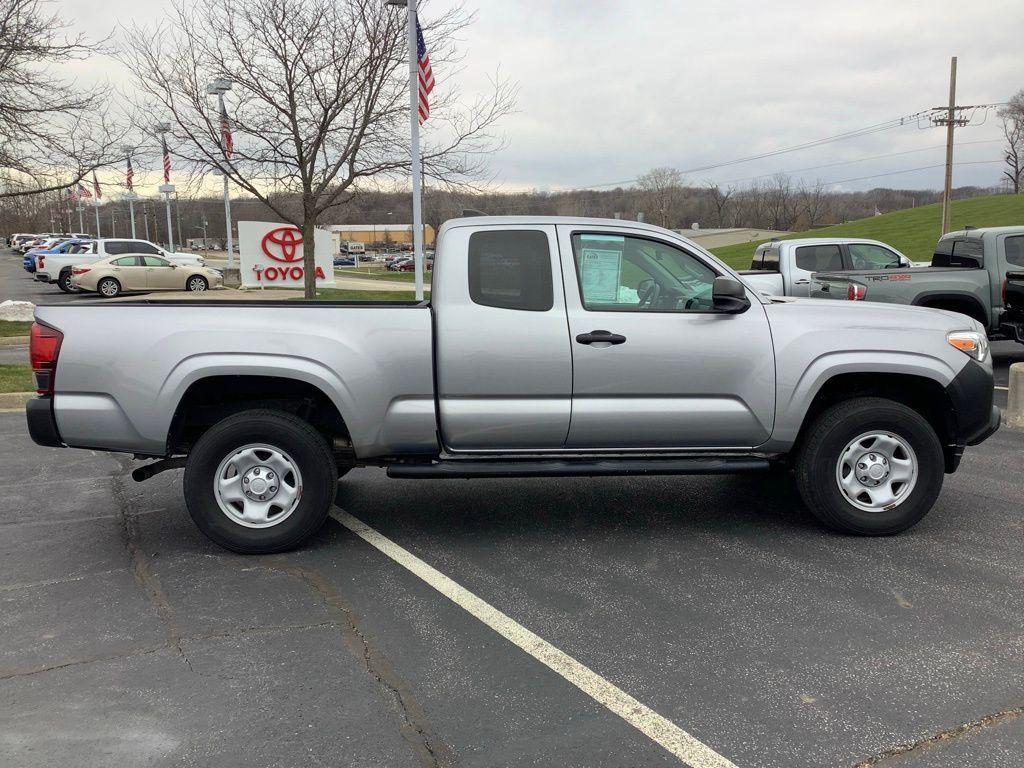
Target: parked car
553,346
67,247
409,265
395,265
784,267
344,261
969,274
57,269
113,275
18,238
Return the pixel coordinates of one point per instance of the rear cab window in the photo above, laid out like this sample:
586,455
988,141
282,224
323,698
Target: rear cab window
819,258
1014,246
511,269
962,252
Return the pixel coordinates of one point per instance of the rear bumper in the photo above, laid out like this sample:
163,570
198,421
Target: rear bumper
43,277
42,423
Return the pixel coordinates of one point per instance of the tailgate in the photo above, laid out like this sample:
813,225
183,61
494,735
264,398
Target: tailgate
1013,297
829,286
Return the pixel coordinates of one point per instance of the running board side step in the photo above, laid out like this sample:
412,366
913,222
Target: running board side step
583,468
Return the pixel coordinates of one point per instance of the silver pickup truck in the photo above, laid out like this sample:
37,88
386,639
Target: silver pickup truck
550,347
785,267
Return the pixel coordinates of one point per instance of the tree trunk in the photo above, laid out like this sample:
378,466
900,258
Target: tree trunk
308,258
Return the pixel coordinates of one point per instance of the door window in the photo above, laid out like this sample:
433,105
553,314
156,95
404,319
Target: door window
819,258
126,261
1015,250
619,273
114,247
511,269
867,256
141,246
155,261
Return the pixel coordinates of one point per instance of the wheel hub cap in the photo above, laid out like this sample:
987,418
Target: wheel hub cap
876,471
257,486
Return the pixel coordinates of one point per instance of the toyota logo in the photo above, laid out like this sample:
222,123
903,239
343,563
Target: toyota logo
282,244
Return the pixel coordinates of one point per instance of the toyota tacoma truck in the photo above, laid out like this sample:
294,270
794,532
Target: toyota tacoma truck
972,271
785,267
549,347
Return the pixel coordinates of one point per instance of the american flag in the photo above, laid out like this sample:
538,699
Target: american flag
82,192
129,176
167,162
426,75
96,186
226,139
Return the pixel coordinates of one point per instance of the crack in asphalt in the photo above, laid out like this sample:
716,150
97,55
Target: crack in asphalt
431,751
148,580
942,736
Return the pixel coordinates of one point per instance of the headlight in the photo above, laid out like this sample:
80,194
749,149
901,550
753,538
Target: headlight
970,343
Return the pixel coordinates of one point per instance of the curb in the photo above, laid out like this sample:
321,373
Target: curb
13,341
15,401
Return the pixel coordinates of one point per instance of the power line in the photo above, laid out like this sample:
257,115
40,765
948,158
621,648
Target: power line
908,170
859,160
866,131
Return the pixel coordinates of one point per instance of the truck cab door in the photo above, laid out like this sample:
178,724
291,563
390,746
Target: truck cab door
655,366
503,360
808,259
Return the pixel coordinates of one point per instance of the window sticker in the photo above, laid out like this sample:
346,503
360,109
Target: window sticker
601,268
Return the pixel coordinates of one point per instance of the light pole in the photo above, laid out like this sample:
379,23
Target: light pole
414,127
219,87
167,189
130,196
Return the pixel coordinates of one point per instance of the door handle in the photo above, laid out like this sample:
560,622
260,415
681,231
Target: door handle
597,337
802,281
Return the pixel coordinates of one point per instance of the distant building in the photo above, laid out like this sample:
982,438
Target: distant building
376,233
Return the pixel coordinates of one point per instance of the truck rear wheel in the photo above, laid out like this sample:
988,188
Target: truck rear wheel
870,466
260,481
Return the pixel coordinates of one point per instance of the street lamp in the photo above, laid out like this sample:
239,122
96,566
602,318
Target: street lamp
219,87
167,189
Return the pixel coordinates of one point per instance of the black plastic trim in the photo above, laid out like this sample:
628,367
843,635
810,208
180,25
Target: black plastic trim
42,424
579,468
971,394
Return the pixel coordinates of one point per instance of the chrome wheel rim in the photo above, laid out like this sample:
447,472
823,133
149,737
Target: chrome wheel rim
257,486
877,471
108,288
196,284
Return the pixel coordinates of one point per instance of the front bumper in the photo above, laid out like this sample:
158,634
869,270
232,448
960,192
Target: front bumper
42,423
974,416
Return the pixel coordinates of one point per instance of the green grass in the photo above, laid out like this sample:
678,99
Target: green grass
341,294
15,327
396,276
913,231
16,378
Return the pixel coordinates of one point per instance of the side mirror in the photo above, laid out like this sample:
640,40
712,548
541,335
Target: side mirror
729,295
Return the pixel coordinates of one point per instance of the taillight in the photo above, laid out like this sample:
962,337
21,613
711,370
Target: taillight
43,348
1006,285
42,262
79,270
856,292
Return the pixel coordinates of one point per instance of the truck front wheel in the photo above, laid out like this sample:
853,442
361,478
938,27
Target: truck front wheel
260,481
870,466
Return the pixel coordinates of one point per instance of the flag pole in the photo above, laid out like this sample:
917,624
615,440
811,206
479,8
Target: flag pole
414,124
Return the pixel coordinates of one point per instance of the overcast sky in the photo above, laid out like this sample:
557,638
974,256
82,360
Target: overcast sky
612,88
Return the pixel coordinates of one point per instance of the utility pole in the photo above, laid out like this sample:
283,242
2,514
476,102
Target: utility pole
947,191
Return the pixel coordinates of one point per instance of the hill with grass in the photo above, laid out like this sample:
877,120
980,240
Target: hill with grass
913,231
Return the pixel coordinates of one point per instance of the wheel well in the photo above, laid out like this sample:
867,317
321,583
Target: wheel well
213,398
965,305
923,395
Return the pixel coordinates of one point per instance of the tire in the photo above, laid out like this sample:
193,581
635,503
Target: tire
108,287
196,284
838,447
64,283
228,446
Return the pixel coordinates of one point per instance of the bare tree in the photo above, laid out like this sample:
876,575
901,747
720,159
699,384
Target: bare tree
663,192
780,202
720,201
813,201
319,100
53,132
1012,116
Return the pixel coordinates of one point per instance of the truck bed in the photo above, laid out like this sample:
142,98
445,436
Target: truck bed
124,366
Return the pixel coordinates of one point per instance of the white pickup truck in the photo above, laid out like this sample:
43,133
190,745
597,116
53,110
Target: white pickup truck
56,268
784,267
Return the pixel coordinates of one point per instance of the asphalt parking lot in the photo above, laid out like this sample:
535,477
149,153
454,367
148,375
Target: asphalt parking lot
129,639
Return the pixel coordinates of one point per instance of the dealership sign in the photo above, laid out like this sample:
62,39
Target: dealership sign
271,255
